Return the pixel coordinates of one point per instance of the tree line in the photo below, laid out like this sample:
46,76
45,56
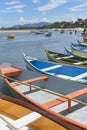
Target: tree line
79,23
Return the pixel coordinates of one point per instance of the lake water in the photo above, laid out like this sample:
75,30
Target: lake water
34,45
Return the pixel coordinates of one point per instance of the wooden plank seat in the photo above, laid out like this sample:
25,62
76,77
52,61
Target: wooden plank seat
79,76
58,58
29,81
51,67
36,79
54,102
65,57
67,97
21,122
81,62
74,95
54,55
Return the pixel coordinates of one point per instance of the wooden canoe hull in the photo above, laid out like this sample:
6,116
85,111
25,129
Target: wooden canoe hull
64,58
76,53
42,108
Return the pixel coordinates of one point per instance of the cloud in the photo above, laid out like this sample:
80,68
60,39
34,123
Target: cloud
44,20
23,20
16,7
78,7
11,11
13,6
35,1
12,2
51,5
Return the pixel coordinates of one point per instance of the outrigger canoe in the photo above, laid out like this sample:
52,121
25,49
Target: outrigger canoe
16,114
64,109
68,72
66,58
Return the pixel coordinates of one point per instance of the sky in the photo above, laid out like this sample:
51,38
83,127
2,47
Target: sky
14,12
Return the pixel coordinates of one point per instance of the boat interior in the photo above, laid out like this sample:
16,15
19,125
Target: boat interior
66,105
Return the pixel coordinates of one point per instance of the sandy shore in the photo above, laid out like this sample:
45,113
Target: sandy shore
13,31
21,31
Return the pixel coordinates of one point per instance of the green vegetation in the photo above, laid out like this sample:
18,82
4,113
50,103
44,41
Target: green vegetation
79,23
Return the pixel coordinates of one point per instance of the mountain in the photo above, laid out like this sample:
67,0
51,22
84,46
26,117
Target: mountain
40,24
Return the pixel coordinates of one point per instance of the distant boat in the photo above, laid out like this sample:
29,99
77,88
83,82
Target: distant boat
62,31
66,59
70,31
48,34
38,32
64,109
71,73
84,33
74,52
10,36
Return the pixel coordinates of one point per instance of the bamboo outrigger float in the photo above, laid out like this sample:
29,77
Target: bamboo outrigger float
40,91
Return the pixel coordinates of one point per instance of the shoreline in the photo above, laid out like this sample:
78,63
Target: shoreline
21,31
13,31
